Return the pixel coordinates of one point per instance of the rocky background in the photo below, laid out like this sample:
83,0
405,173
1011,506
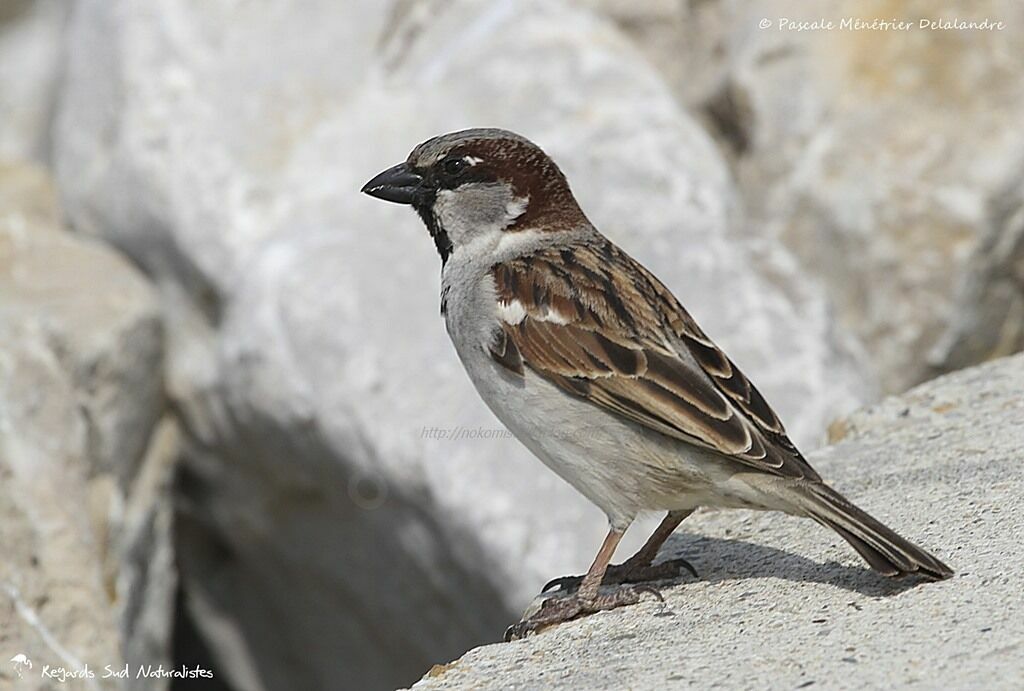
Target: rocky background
221,368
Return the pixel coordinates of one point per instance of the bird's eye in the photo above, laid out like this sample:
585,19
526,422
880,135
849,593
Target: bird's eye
454,166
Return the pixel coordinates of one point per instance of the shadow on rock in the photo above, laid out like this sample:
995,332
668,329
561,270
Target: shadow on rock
718,560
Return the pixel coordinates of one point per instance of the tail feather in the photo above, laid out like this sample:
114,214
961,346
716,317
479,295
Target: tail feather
884,550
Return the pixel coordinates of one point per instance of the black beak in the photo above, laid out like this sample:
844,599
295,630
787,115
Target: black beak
397,184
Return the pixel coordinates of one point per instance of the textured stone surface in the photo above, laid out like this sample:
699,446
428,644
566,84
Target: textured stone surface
147,574
782,603
305,351
852,147
54,605
30,57
987,319
80,392
98,314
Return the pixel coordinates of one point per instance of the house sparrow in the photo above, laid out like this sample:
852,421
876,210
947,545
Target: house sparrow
598,369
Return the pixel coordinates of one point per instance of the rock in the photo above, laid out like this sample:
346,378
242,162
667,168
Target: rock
147,574
688,42
850,147
987,319
306,355
54,608
916,204
31,33
27,198
780,599
80,392
98,313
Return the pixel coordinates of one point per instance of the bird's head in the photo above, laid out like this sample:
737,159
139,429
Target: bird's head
475,183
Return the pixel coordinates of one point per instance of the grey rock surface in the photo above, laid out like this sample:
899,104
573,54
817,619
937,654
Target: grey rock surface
783,603
80,393
987,319
306,354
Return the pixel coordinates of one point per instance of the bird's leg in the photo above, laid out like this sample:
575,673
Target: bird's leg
587,599
640,567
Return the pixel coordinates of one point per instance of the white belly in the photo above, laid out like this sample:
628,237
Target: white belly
620,467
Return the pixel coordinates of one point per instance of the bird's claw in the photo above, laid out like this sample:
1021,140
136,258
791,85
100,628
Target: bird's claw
563,583
556,610
681,565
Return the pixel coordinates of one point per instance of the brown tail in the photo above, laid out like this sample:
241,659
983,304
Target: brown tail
886,552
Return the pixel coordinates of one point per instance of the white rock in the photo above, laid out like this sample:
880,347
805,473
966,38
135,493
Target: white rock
31,32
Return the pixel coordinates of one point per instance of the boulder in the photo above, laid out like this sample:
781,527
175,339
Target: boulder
31,32
784,600
80,393
55,607
99,314
344,488
987,319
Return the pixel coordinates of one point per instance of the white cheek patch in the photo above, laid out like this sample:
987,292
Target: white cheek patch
511,312
478,212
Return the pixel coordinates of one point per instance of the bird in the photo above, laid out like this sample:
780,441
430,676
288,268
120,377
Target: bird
598,369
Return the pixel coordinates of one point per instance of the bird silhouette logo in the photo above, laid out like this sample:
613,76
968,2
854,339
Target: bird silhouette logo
20,662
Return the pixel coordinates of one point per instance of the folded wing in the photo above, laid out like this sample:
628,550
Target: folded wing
594,322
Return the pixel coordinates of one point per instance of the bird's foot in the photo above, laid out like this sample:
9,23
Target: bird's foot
556,610
628,573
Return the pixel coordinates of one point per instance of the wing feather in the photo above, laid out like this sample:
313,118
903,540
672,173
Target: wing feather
604,329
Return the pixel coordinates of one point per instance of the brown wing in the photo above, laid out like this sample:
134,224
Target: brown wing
597,324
